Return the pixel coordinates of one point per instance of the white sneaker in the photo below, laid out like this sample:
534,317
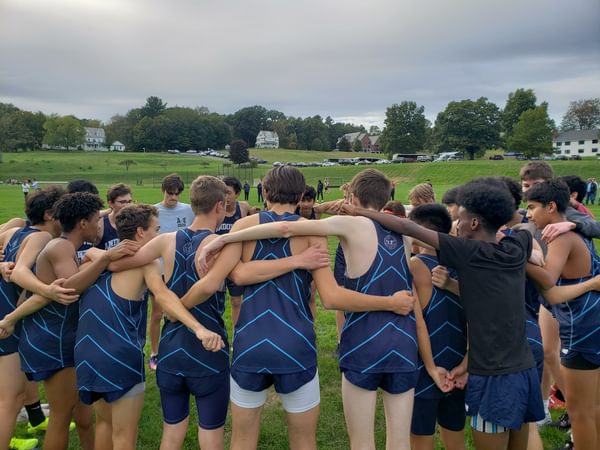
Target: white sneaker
545,421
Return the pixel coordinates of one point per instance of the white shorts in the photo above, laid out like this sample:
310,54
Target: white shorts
301,400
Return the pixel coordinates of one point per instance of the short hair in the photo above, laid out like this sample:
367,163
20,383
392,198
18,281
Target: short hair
39,202
172,183
82,186
423,193
450,196
490,202
554,190
234,183
117,190
131,217
433,216
575,184
72,208
205,192
514,188
372,188
395,207
536,170
284,185
309,193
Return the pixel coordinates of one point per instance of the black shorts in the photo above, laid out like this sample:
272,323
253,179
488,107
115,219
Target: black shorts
579,361
448,411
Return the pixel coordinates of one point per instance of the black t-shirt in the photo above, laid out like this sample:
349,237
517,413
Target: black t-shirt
492,292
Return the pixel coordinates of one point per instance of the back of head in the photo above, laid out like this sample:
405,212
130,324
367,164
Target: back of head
554,190
82,186
284,185
133,216
372,188
421,193
72,208
432,216
575,184
116,191
205,192
536,170
491,202
450,196
172,183
233,183
39,202
395,208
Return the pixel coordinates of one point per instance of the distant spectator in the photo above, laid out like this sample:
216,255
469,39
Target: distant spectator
590,191
246,191
35,185
259,192
25,186
320,190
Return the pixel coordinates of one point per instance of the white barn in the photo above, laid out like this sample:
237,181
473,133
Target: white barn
267,139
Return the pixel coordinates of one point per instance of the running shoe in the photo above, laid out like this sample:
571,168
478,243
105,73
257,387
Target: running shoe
153,362
547,420
44,426
23,444
563,423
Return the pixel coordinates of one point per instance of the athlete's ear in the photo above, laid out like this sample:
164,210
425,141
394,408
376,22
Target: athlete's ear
139,233
551,206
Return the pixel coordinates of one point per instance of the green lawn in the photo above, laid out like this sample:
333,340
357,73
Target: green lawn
145,176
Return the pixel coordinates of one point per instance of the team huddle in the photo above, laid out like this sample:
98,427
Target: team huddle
466,309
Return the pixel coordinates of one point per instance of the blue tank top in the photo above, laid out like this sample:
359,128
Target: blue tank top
447,327
579,319
109,349
179,351
109,236
82,250
339,266
275,332
381,341
228,221
10,292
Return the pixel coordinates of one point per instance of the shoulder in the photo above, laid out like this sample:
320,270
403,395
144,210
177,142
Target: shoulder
246,222
244,207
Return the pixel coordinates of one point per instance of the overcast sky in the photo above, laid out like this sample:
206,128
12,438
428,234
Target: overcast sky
349,59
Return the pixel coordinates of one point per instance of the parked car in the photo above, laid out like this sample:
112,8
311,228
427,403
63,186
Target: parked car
424,158
576,157
549,158
561,157
383,161
496,157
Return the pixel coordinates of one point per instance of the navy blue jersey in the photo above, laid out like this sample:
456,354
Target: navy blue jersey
109,236
339,266
228,221
381,341
10,292
109,349
82,250
579,319
447,326
313,215
180,352
275,332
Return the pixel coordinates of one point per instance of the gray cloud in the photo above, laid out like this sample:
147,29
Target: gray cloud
349,59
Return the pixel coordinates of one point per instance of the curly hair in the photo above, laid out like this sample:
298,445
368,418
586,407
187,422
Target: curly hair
491,202
133,216
433,216
82,186
39,202
72,208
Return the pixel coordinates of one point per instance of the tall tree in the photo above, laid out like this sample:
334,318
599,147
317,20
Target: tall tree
532,134
357,146
238,152
404,130
247,122
154,107
518,102
344,145
64,132
582,115
467,125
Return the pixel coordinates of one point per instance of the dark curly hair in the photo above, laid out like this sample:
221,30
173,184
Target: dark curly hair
234,183
488,199
82,186
72,208
554,190
433,216
575,184
39,202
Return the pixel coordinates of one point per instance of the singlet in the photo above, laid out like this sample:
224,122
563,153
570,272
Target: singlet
228,221
48,338
180,352
109,236
579,319
10,292
339,266
313,216
81,251
381,341
109,349
275,332
447,327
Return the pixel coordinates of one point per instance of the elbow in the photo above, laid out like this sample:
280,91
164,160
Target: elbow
238,278
284,229
327,300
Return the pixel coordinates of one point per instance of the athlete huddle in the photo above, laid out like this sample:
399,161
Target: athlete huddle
446,332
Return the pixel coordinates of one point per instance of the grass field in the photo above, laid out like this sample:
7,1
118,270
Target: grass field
145,176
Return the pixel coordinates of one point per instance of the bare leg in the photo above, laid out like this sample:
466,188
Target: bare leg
211,439
302,429
84,419
419,442
154,326
104,430
518,439
551,340
582,392
245,427
174,435
359,411
534,441
12,394
62,396
453,440
126,414
32,393
489,441
398,415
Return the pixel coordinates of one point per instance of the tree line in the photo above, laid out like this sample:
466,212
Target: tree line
471,126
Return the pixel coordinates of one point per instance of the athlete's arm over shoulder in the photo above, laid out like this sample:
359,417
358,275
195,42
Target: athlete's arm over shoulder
558,254
145,255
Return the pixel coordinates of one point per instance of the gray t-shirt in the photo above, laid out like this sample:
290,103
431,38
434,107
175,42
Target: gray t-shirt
173,219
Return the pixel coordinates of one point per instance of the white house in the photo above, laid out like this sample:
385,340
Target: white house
577,142
267,139
94,139
117,147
